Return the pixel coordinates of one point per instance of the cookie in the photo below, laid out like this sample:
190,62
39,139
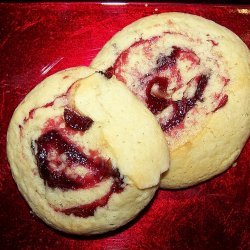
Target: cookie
193,75
81,151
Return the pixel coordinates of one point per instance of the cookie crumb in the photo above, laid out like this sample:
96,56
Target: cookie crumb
234,165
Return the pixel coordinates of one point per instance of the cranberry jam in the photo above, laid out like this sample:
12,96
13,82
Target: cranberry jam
180,107
57,157
158,79
76,121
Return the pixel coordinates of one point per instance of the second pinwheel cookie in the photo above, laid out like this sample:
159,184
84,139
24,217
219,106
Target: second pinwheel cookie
194,76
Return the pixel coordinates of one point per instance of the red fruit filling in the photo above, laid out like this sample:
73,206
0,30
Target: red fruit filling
157,103
89,209
222,102
163,62
54,170
156,82
76,121
56,154
47,105
57,159
108,73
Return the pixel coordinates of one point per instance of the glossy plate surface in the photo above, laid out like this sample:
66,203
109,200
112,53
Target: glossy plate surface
36,40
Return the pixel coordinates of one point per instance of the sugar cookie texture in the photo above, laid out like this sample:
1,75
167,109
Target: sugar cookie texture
84,152
194,76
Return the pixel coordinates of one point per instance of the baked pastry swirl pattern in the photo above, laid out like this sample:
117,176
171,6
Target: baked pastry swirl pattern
77,153
193,75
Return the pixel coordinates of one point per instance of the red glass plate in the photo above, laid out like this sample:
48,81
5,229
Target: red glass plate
37,40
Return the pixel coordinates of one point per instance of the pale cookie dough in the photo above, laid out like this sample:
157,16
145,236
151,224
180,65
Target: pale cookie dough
84,152
194,75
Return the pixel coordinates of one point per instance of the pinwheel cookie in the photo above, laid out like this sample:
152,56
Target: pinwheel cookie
194,76
84,152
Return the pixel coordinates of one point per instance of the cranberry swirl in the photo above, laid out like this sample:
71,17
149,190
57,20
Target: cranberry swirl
59,159
175,82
